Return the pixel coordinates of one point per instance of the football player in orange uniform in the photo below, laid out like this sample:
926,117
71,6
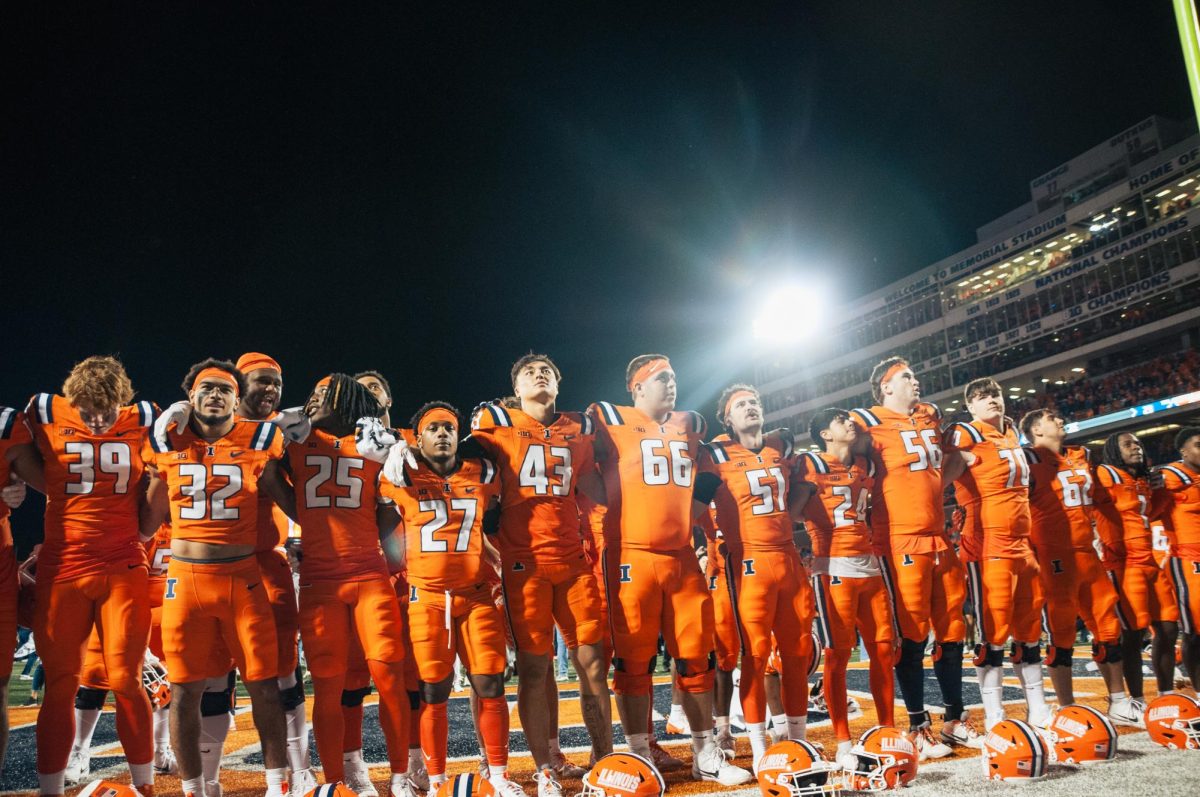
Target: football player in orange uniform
16,444
543,456
345,588
92,566
1063,507
726,640
1145,590
833,489
447,505
748,474
1182,479
993,490
646,454
903,437
207,478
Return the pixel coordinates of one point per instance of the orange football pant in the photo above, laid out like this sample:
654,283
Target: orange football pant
1147,595
844,606
281,592
927,591
115,602
475,632
212,610
1185,576
652,593
1008,599
537,595
1075,585
725,632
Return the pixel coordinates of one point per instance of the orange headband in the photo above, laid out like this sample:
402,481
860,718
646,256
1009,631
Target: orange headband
325,382
434,415
215,373
648,370
253,360
737,394
895,369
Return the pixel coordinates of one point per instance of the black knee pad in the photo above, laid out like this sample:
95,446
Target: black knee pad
1106,653
87,698
213,704
354,697
619,664
292,697
992,657
1061,657
414,701
952,651
1026,654
911,652
682,668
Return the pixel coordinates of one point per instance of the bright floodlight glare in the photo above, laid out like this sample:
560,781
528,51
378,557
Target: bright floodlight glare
789,314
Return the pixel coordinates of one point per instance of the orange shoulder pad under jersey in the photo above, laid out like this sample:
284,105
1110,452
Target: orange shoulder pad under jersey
649,472
752,495
213,487
443,522
906,506
538,467
995,485
1183,482
336,496
1131,496
93,485
836,512
13,432
1060,499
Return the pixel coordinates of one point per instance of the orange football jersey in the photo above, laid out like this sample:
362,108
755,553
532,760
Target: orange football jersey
836,512
213,487
336,497
649,473
1138,505
274,527
994,491
1060,499
93,486
443,523
13,432
1183,482
158,554
906,506
751,499
538,466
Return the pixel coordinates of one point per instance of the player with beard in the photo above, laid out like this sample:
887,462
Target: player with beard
380,389
1145,589
208,477
903,436
646,454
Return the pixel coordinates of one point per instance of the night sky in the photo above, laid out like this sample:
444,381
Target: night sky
433,191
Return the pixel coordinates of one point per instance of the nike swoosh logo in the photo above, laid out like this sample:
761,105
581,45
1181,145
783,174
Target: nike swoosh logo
235,453
251,586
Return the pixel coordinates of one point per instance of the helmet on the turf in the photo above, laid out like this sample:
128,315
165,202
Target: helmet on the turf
467,784
1013,750
1174,721
794,768
1081,734
814,662
154,681
623,775
108,788
887,759
338,789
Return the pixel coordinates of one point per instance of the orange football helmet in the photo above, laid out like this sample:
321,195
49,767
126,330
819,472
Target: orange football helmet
154,681
1174,721
623,775
814,663
1081,734
338,789
1013,750
108,788
795,769
887,759
467,784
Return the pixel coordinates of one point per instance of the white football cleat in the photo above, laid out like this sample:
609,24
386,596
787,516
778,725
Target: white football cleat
711,765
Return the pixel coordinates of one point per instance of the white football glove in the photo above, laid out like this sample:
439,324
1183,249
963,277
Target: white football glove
294,424
13,494
372,439
399,455
177,415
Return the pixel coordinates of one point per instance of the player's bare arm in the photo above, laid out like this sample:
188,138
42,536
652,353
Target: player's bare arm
275,484
155,509
26,463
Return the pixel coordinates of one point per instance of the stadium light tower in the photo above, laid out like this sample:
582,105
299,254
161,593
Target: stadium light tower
790,313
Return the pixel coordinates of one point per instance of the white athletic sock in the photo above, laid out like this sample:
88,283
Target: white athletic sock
779,723
639,743
1116,697
297,738
701,741
162,729
991,689
797,727
85,726
142,774
193,786
276,780
355,757
53,782
1030,676
499,774
213,731
758,741
722,725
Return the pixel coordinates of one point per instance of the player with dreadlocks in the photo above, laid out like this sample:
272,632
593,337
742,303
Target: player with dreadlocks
345,589
1145,589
